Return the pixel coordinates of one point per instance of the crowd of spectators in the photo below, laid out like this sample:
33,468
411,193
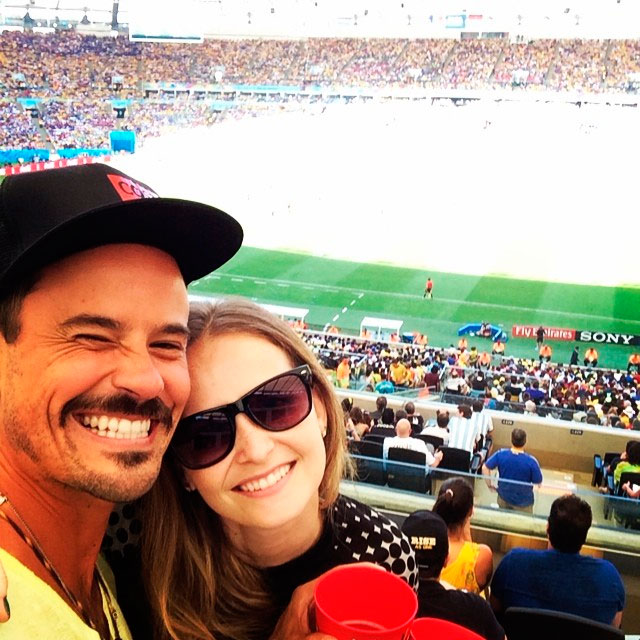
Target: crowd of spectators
580,65
374,363
422,60
372,63
559,578
68,65
77,76
525,64
151,119
75,124
16,128
86,124
597,396
470,64
606,397
321,65
623,64
464,564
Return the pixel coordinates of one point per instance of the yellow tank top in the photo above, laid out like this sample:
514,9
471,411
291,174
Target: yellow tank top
461,573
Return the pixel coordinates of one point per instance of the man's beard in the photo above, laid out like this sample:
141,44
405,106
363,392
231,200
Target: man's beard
138,471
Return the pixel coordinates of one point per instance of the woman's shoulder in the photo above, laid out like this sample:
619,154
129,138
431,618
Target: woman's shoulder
484,555
484,565
484,550
362,534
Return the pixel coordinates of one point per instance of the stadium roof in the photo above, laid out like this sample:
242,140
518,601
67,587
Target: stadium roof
348,18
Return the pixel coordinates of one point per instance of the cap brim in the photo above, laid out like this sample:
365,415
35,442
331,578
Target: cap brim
200,238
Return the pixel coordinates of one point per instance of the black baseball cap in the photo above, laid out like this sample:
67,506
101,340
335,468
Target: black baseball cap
428,535
48,215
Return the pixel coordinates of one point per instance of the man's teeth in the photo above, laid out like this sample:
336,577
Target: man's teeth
117,427
267,481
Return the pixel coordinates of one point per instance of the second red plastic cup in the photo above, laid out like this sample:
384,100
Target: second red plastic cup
356,602
436,629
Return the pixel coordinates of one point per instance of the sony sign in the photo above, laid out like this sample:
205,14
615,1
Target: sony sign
605,337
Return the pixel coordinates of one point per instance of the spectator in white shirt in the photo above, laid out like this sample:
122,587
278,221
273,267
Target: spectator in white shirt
463,432
403,440
456,384
440,429
482,420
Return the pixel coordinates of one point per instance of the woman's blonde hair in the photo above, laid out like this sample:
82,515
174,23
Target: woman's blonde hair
199,587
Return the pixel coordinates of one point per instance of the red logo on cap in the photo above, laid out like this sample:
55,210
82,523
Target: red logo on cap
128,189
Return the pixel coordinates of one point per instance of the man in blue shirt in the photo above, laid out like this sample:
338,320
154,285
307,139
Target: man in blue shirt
535,393
559,578
518,467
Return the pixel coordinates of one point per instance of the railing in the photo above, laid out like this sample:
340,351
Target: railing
559,413
610,513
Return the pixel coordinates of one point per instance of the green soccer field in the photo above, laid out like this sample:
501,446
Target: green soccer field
351,291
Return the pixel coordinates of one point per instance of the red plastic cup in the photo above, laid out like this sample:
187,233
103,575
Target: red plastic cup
436,629
359,602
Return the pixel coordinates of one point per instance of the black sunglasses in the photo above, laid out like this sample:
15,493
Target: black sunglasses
282,402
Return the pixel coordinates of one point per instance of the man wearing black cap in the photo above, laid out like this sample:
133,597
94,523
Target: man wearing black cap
93,376
427,533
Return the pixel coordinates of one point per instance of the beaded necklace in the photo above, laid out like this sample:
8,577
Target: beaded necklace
31,541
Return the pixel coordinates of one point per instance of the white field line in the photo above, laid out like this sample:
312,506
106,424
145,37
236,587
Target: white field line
411,296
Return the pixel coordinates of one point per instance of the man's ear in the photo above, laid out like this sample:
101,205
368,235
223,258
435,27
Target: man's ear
4,361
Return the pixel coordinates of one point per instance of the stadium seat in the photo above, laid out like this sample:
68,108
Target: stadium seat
411,474
596,476
607,478
374,437
455,459
369,463
609,457
626,510
434,441
533,624
387,432
600,464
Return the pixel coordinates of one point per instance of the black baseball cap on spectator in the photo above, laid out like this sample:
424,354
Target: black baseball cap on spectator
48,215
427,533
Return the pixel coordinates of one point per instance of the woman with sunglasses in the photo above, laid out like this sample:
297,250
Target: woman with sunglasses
247,506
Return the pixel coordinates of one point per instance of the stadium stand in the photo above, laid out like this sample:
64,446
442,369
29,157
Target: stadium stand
16,128
579,65
564,392
73,124
91,71
525,64
76,77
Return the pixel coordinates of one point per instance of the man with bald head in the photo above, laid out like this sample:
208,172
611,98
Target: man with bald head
403,440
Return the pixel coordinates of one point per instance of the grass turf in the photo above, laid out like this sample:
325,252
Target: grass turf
353,290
